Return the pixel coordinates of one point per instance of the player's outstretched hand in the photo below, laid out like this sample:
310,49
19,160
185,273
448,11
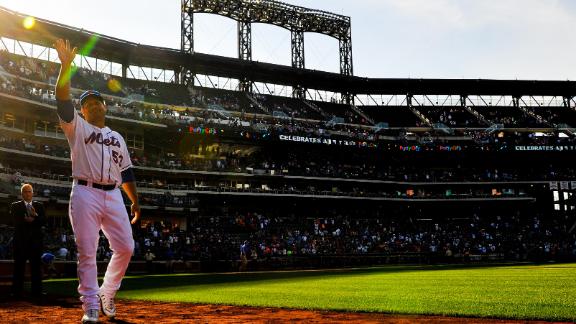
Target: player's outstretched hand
135,208
65,54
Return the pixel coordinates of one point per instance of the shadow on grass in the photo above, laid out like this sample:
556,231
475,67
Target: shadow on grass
68,286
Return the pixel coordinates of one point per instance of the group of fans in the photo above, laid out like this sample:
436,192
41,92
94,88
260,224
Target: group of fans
212,108
218,237
514,236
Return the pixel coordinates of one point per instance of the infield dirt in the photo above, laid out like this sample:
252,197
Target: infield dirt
55,309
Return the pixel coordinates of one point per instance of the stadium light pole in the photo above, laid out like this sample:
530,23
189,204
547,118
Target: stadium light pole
245,51
187,39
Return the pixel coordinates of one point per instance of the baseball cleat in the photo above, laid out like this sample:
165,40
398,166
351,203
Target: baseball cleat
90,316
108,306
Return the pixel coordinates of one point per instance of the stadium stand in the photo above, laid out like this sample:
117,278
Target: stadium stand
308,183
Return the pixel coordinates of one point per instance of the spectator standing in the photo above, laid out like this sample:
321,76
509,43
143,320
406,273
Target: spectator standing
28,218
244,253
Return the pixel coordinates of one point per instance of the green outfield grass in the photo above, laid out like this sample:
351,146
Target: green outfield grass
546,292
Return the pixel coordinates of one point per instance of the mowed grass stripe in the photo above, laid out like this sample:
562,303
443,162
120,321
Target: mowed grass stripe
519,292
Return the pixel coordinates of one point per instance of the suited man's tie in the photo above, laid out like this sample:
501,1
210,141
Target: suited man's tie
29,209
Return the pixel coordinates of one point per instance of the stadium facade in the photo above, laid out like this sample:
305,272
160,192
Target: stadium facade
379,170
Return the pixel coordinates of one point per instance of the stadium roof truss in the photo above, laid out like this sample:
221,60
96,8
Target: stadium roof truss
451,100
297,20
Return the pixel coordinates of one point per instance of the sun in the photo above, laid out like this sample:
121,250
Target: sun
29,22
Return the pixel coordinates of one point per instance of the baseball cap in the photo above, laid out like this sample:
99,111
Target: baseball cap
90,93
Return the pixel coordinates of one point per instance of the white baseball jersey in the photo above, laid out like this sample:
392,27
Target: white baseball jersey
98,154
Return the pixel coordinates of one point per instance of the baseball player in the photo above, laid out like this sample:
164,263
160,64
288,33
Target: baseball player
100,165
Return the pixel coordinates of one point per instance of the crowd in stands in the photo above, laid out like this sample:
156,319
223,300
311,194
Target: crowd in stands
311,164
508,116
505,140
336,110
209,115
557,115
261,127
33,145
47,72
202,107
450,116
289,107
161,194
226,100
313,167
27,67
511,236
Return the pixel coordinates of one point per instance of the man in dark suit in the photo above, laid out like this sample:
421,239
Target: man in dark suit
28,218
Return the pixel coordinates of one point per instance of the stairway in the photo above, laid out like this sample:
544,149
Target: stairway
361,113
420,115
258,104
317,109
477,114
539,118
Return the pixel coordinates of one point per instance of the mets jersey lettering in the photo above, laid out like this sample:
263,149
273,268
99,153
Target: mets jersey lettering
98,154
97,137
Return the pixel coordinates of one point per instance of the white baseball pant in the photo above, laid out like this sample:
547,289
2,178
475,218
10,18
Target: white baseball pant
90,210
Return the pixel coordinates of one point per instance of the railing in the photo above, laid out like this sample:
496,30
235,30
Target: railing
477,114
361,113
258,103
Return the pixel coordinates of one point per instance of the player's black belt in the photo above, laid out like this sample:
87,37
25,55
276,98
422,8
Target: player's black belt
97,185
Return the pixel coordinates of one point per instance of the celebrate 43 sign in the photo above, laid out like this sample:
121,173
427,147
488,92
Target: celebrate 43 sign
325,141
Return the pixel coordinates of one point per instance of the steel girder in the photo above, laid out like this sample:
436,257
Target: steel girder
187,39
296,19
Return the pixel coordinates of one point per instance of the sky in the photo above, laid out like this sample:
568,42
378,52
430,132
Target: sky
488,39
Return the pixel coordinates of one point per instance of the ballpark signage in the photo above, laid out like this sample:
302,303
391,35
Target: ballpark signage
557,148
202,130
438,148
325,141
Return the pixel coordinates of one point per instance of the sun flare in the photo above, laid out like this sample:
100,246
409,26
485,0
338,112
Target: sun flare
29,22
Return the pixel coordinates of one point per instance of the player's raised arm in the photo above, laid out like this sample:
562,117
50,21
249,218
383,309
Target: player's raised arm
66,56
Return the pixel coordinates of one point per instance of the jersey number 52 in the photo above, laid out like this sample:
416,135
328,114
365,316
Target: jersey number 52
118,158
